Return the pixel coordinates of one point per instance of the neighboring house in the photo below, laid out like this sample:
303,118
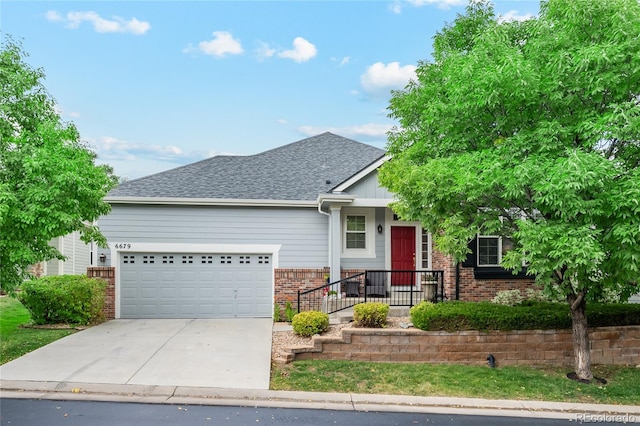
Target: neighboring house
230,235
78,257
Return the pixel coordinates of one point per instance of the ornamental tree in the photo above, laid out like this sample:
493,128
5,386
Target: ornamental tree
50,185
530,130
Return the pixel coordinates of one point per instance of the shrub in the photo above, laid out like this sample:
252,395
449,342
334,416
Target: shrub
508,298
276,312
310,323
370,315
529,315
289,312
72,299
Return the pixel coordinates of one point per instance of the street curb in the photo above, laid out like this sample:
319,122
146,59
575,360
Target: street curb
183,395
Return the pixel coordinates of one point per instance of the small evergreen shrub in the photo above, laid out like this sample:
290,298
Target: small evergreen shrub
71,299
370,315
310,323
276,312
420,316
289,312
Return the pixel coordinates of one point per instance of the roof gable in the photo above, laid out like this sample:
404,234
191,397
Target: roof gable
298,171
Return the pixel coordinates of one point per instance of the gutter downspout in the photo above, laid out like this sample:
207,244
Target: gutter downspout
329,232
457,280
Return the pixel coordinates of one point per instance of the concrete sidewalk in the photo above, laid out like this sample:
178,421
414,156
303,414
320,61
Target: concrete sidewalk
330,401
224,353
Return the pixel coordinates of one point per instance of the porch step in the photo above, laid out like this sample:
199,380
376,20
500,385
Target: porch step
346,315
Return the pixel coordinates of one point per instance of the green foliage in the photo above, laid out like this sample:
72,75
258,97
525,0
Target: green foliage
529,315
289,311
16,339
310,323
49,183
370,314
530,130
276,312
508,298
515,297
72,299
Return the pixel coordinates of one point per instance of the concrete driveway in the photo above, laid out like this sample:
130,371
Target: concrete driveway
219,353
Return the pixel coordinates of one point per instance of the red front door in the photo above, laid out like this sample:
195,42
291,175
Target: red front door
403,254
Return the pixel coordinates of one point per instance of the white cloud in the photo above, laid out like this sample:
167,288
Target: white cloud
514,15
380,78
222,44
101,25
398,5
367,131
53,16
344,61
264,50
110,148
302,51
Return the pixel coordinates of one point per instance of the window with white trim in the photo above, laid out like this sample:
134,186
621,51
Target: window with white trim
491,248
358,232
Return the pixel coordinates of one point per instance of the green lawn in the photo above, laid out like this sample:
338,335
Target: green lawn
15,340
520,383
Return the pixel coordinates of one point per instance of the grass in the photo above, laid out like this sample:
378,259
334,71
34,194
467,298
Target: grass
543,383
15,340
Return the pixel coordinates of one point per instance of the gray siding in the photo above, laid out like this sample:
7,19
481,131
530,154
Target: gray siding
302,232
368,262
369,188
635,298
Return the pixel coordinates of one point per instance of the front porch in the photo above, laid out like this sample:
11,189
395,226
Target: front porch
391,287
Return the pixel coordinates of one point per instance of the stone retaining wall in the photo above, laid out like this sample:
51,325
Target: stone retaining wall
609,345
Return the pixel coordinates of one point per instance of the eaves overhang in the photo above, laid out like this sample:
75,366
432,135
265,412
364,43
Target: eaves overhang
230,202
361,174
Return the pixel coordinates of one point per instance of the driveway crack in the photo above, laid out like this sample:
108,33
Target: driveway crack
158,350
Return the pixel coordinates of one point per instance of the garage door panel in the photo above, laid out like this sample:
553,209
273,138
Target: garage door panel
169,285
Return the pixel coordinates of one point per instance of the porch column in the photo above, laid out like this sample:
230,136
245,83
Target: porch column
335,242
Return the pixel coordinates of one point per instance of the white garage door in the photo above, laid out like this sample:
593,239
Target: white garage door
195,285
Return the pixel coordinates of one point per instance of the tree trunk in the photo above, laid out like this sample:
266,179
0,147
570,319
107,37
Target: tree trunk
581,346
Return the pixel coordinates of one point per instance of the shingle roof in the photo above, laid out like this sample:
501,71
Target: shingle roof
298,171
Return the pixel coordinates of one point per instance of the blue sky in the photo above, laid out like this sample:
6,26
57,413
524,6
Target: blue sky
152,85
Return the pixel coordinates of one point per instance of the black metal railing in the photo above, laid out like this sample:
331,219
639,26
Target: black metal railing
395,288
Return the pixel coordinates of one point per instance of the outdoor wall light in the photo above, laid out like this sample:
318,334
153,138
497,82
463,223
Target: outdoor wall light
379,229
102,258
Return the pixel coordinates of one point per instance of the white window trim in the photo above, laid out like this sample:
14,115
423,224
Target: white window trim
370,228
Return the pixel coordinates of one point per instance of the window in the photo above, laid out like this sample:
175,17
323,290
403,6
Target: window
491,249
358,233
356,237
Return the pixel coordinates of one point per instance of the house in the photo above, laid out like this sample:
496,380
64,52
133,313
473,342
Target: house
230,235
78,257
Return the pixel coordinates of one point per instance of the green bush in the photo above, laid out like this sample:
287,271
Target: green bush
310,323
276,312
529,315
370,315
289,312
71,299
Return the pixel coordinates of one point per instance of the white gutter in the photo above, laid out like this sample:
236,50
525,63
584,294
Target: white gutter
210,201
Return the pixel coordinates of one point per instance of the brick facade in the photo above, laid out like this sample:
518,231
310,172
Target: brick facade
107,273
609,345
471,288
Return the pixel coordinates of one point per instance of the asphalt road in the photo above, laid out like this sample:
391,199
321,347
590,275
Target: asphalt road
28,412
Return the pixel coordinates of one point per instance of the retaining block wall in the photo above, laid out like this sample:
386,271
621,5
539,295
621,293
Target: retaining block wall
609,345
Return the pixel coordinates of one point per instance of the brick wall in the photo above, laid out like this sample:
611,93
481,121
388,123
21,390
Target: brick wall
610,345
107,273
472,289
